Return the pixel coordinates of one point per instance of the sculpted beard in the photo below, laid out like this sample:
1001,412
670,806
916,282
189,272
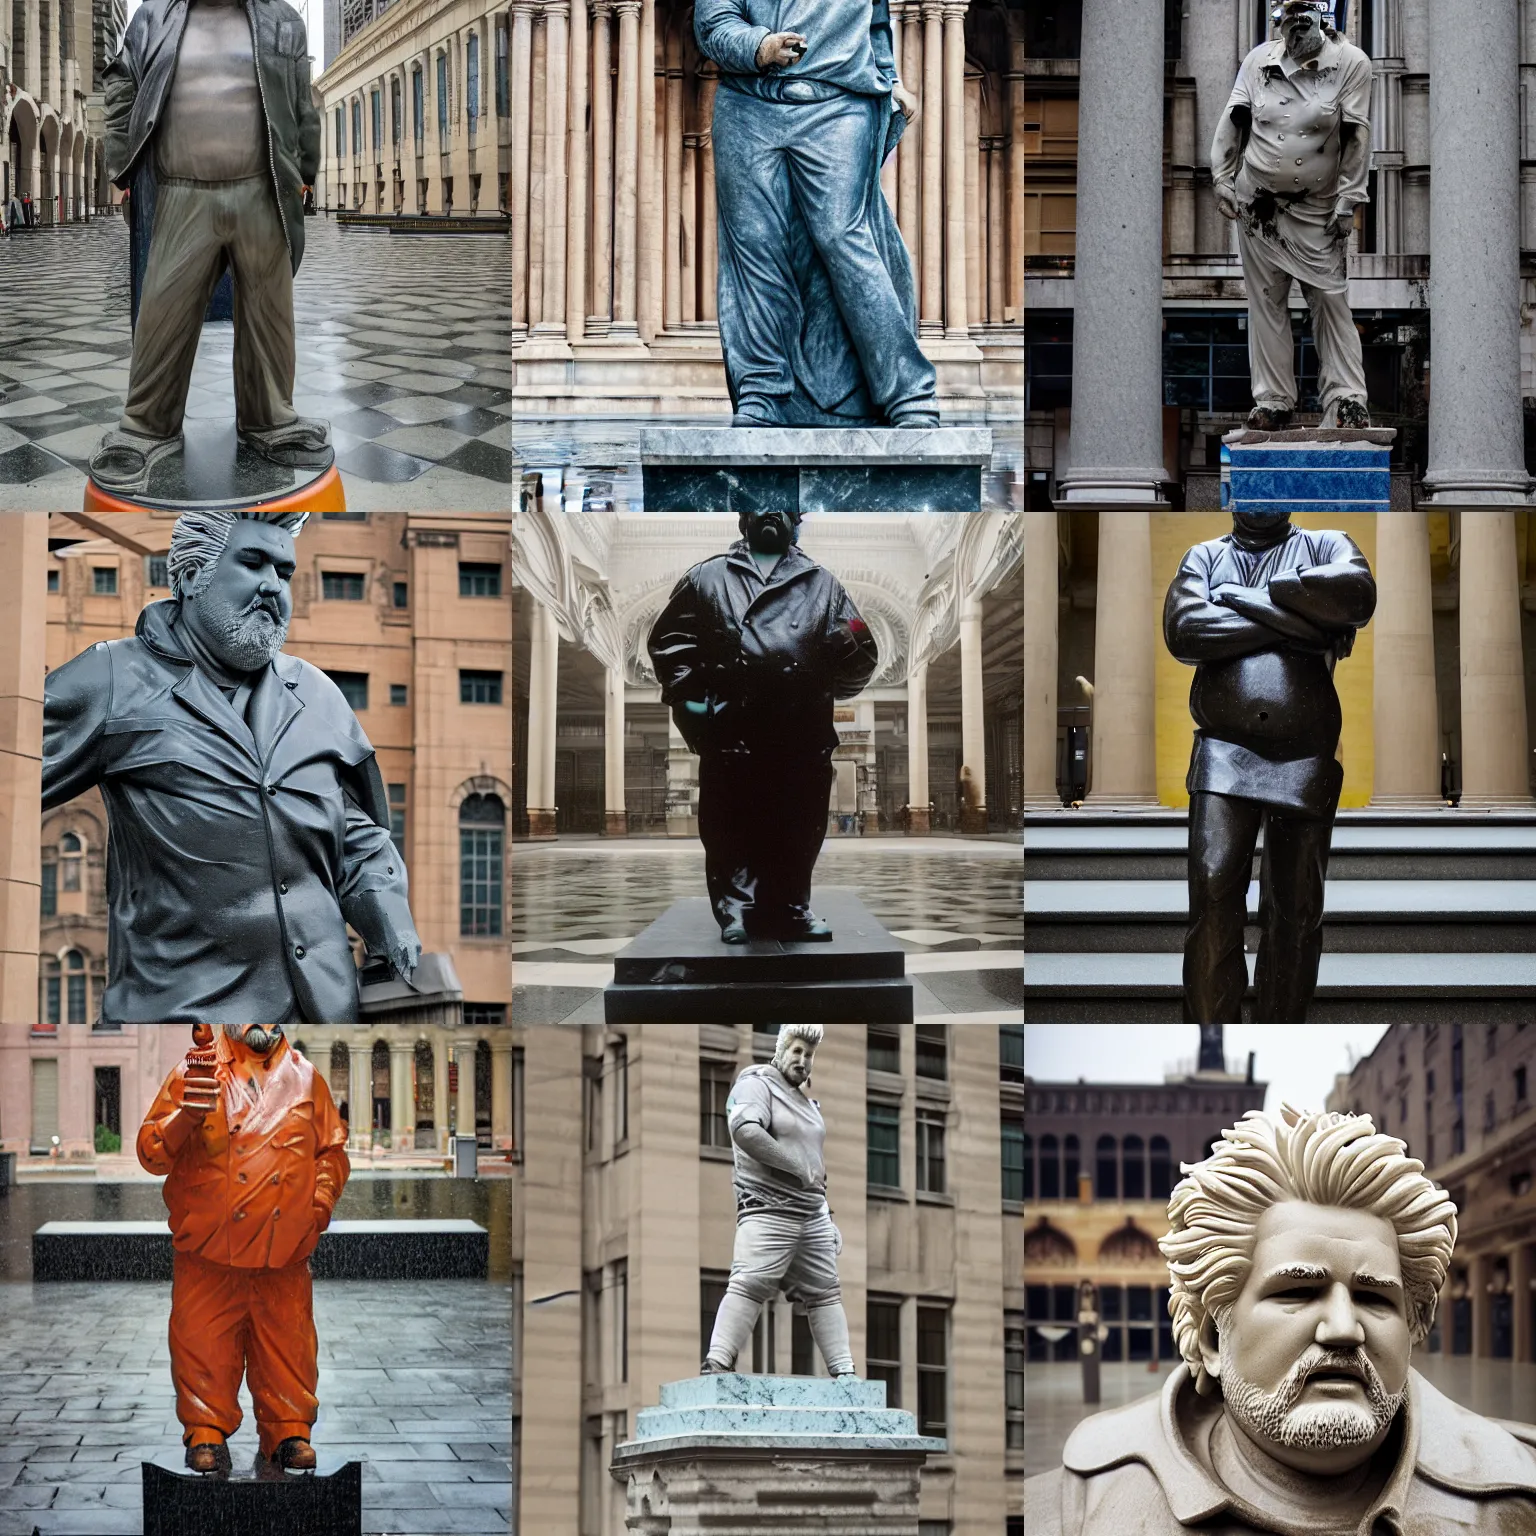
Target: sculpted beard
1276,1418
254,1036
248,637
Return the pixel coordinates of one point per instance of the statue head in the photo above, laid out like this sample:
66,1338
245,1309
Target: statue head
1301,25
795,1050
230,572
770,532
261,1038
1306,1255
1259,527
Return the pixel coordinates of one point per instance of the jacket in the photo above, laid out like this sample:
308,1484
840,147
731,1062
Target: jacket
1263,695
237,852
1138,1471
768,658
138,80
254,1186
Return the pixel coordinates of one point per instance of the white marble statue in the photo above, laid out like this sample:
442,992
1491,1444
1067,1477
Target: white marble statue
1289,164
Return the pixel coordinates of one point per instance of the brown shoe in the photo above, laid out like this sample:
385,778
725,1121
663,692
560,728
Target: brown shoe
1268,418
296,1455
210,1456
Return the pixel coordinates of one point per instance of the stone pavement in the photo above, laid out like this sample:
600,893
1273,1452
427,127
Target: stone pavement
415,1382
404,346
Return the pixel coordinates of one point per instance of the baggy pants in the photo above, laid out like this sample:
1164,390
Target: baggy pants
762,821
258,1323
1223,831
199,225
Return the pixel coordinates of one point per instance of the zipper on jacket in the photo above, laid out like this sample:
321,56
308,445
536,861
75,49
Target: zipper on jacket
266,119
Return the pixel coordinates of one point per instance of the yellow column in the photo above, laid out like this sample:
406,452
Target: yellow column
1124,763
1406,714
672,225
1040,660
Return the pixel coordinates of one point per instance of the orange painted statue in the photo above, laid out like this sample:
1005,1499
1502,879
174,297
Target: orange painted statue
254,1150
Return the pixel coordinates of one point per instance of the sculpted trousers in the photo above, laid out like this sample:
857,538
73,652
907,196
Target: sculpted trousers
258,1323
1223,831
198,226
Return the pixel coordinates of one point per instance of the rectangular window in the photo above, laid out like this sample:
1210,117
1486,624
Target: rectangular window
933,1051
486,1015
1013,1378
933,1371
76,995
354,687
402,594
357,129
472,78
1013,1157
50,890
715,1079
418,116
930,1151
1519,1085
1010,1051
477,579
712,1284
620,1093
53,991
104,580
399,695
883,1348
1490,1114
883,1050
503,74
479,687
884,1122
442,103
480,861
341,586
341,134
591,1100
621,1317
157,572
53,581
378,123
802,1348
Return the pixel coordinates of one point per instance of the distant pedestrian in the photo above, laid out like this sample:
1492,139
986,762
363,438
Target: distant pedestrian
26,210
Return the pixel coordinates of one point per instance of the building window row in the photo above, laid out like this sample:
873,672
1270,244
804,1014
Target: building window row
1135,1317
476,686
1127,1168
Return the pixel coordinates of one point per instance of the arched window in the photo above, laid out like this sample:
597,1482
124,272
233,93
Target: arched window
1162,1169
74,979
1106,1175
1069,1168
1050,1169
71,853
1029,1166
482,840
1134,1182
426,1097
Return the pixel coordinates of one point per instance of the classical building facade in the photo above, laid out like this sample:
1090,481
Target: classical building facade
625,1222
614,259
598,752
416,114
411,616
1460,1096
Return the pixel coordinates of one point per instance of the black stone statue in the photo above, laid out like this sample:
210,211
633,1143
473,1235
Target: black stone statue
1262,614
751,651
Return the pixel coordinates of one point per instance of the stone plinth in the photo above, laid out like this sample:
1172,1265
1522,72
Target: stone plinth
736,1455
678,971
1308,469
257,1498
814,469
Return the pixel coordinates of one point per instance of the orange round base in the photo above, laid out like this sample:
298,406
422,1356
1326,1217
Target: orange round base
323,495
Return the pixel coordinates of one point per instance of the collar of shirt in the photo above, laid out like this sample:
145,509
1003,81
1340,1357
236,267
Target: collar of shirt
1327,57
790,563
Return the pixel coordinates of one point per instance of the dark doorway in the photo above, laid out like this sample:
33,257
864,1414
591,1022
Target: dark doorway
109,1099
579,791
381,1087
1501,1326
1461,1325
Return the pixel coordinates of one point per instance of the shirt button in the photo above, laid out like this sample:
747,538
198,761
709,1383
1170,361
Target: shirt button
276,1214
282,886
390,870
298,951
1298,162
239,1215
277,1178
241,1177
272,788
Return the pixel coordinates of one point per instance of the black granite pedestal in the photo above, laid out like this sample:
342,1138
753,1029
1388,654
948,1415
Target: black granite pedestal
679,972
253,1500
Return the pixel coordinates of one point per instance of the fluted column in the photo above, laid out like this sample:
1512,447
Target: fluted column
954,170
626,164
1041,660
556,131
931,289
648,182
464,1100
671,235
1495,747
1406,714
1124,645
709,249
522,66
689,259
402,1095
576,182
997,232
917,749
501,1094
615,818
538,139
602,166
360,1094
975,202
909,151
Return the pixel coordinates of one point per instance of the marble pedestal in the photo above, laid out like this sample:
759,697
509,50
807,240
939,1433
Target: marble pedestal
1308,469
733,1455
253,1500
814,469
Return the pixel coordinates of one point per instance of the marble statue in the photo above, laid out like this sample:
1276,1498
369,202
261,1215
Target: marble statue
817,302
210,124
751,651
241,1300
1306,1255
249,823
785,1237
1289,165
1263,614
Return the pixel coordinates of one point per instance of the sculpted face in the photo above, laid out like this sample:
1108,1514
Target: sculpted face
1313,1355
769,533
243,613
255,1037
794,1061
1302,30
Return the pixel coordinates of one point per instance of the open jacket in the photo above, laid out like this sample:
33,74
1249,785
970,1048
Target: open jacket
1140,1471
768,658
138,81
237,851
254,1185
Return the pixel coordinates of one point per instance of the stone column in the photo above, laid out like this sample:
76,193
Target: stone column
626,170
522,64
615,820
672,224
464,1106
576,184
973,732
1117,359
1124,759
931,276
975,188
441,1114
997,230
954,170
648,181
908,153
1476,432
537,138
1041,659
402,1095
360,1093
1520,1276
602,165
1495,747
689,259
709,249
543,680
556,130
1407,716
1479,1276
918,821
501,1094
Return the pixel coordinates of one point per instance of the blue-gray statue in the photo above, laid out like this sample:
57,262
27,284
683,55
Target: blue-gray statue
248,819
211,128
818,310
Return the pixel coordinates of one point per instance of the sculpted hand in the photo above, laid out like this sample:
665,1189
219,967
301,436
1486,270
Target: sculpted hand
910,109
780,48
1226,203
405,954
1342,225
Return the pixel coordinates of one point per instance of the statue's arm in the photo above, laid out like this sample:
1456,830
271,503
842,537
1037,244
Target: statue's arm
306,115
851,646
77,701
725,33
1196,629
675,649
1232,129
1338,594
880,41
1258,604
331,1164
1354,140
165,1129
120,83
374,889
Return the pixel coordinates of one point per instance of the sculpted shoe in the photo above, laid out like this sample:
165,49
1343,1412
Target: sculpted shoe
802,927
123,459
733,933
710,1368
755,411
296,1455
916,418
298,444
1352,413
1268,418
210,1456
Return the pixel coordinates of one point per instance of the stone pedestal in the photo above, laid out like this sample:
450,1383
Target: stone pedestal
1308,469
918,820
764,1455
615,824
253,1498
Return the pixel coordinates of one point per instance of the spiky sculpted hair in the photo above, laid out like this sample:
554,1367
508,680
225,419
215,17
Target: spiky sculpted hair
198,539
1324,1159
810,1033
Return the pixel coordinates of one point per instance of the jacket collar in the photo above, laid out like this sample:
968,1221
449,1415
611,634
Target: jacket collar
1329,56
792,563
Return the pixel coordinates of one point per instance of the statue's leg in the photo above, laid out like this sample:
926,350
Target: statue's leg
729,811
1292,879
282,1355
765,1245
264,344
1222,834
1271,347
1340,361
208,1317
790,842
812,1279
185,262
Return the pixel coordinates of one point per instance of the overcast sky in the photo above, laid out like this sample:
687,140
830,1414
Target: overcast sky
1298,1061
313,12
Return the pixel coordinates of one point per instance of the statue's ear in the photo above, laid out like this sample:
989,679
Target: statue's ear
1210,1347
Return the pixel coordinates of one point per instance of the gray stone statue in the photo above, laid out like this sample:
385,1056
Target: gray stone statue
785,1239
1289,164
249,823
1306,1255
818,311
211,128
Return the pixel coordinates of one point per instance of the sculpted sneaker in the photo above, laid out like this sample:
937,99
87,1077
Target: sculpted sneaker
710,1368
208,1455
296,1455
1269,418
122,460
298,444
1352,413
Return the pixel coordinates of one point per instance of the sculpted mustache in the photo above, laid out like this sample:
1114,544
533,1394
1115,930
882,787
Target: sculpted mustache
1316,1361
